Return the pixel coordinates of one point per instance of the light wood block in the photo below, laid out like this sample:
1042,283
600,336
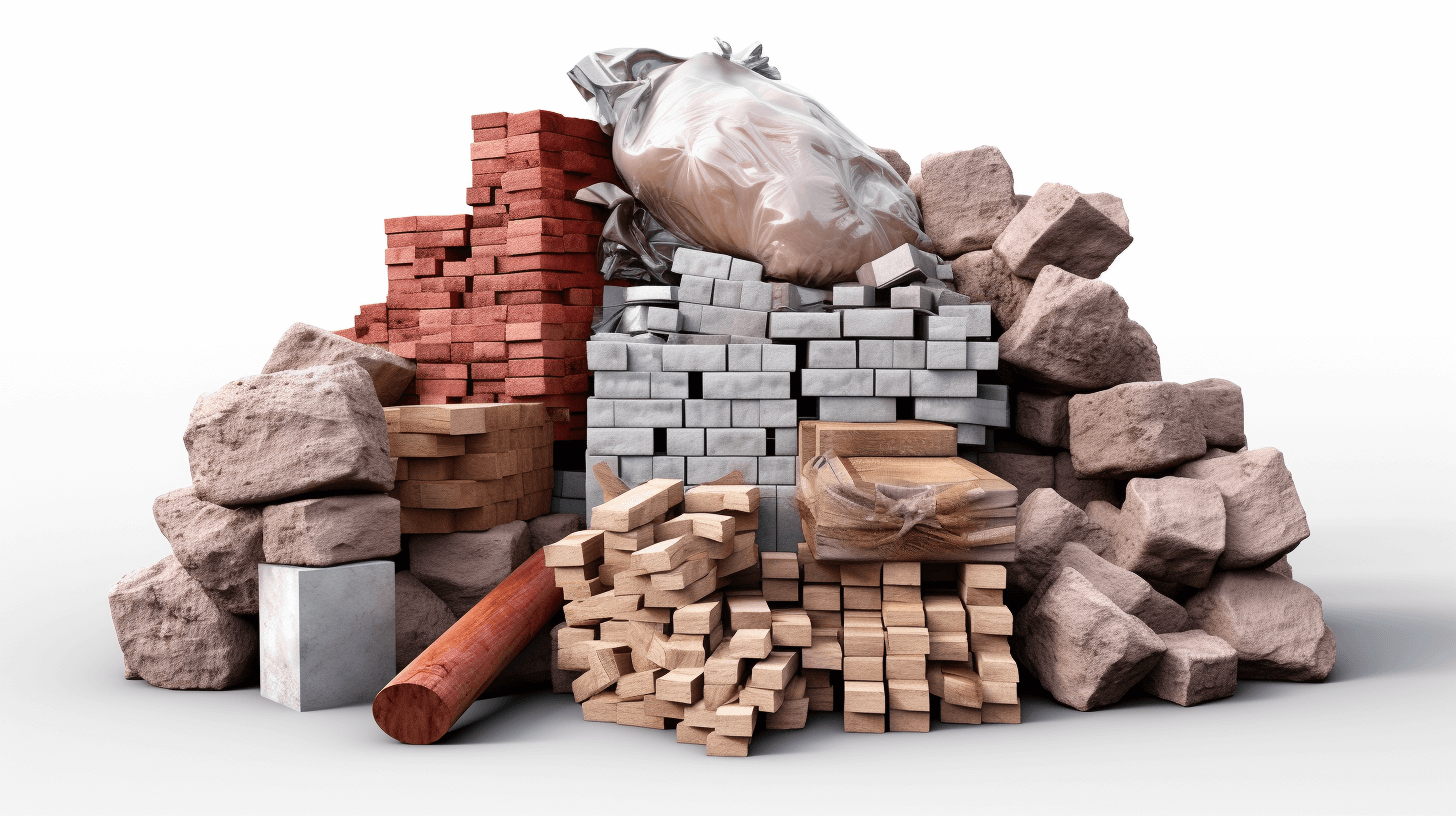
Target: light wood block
998,693
860,723
944,613
631,540
826,653
907,640
699,618
572,648
798,687
952,646
727,745
683,686
900,594
579,549
700,714
900,613
866,669
774,671
825,619
745,554
606,662
658,707
863,641
718,498
996,667
682,575
973,596
715,695
678,598
712,526
430,470
780,590
821,699
597,608
670,553
956,683
737,720
982,576
637,506
751,644
963,715
861,597
425,446
791,714
601,707
637,685
900,573
1008,713
822,597
818,572
912,721
863,697
990,620
692,734
909,695
792,629
457,420
649,615
635,713
780,565
860,575
903,438
905,667
723,669
749,612
764,699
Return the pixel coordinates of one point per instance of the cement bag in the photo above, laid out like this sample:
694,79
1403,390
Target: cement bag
736,162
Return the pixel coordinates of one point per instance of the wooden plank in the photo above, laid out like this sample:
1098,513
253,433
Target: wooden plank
982,576
792,629
666,555
778,590
860,574
910,721
751,644
791,714
722,669
950,646
712,526
749,612
635,713
990,620
974,596
902,613
774,671
698,618
600,707
727,745
907,640
908,695
457,420
944,613
859,723
1001,713
692,593
867,669
636,685
900,573
997,667
862,697
998,692
683,685
631,540
764,699
682,575
578,549
780,565
826,653
745,554
901,438
963,715
692,734
862,597
594,610
905,667
637,506
607,662
736,720
425,446
718,498
667,709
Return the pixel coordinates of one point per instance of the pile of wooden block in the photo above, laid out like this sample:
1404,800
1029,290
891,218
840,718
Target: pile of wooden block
469,466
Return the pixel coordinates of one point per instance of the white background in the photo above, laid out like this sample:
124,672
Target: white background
182,182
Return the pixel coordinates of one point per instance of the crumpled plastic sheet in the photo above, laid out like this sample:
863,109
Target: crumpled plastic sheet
634,245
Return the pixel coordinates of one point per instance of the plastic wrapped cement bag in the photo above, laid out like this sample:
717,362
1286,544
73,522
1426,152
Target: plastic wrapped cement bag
738,163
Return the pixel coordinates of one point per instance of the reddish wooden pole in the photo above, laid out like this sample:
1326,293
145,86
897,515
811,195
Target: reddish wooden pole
423,701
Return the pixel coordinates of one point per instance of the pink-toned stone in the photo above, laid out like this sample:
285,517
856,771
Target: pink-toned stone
1131,593
1081,491
463,567
331,530
1026,471
1045,522
420,617
1061,228
552,527
219,546
1110,206
1276,625
1265,516
1220,404
1197,667
983,278
1043,419
966,199
1134,429
1168,529
305,346
896,162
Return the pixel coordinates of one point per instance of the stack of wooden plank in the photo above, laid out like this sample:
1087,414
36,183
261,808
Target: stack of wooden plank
469,466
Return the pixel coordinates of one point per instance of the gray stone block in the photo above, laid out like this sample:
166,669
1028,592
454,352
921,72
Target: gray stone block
944,327
692,316
950,297
833,354
933,383
778,413
983,356
944,272
902,265
707,468
945,354
669,385
977,315
967,434
745,340
737,442
756,296
741,270
640,294
663,320
647,413
804,325
996,413
857,409
780,357
892,382
745,415
561,504
767,535
746,385
600,413
745,357
634,470
993,391
727,293
967,410
619,441
685,441
594,495
786,441
643,357
776,470
695,289
854,295
790,531
606,356
878,323
622,384
707,413
698,339
326,634
908,354
837,382
613,296
721,320
912,297
697,262
695,358
570,484
876,353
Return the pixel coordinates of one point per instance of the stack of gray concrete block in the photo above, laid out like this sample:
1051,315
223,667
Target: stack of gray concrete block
568,492
713,375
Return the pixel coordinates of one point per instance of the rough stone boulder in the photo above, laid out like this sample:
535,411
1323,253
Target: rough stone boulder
1276,625
1027,472
174,635
966,199
331,530
895,160
1131,593
1134,429
982,277
1082,492
552,527
1196,668
1168,529
462,567
305,346
1059,227
220,547
1084,649
1220,404
1043,419
1110,206
1265,517
420,617
1073,334
1045,522
269,437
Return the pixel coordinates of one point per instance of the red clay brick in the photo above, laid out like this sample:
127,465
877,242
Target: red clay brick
578,331
546,348
435,223
480,333
535,226
438,238
443,388
583,297
523,161
554,262
402,318
399,255
547,313
534,122
477,300
536,367
427,300
403,348
488,134
476,316
489,120
484,179
435,317
406,224
555,142
541,194
432,352
376,333
523,386
427,267
450,284
452,253
376,312
476,196
488,371
500,165
532,179
523,298
556,209
532,244
457,269
407,286
488,149
488,220
580,243
489,235
584,129
535,331
442,371
474,397
489,352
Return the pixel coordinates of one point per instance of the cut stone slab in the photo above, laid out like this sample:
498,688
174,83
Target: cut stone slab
269,437
1045,522
174,635
331,530
1131,593
553,527
896,162
305,346
1059,227
420,617
1276,625
1169,529
1196,668
1027,472
1220,404
982,277
1265,516
1084,649
463,567
1043,419
219,546
1134,429
1073,334
1081,491
966,199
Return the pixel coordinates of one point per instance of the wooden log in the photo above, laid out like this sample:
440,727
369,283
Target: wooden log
421,703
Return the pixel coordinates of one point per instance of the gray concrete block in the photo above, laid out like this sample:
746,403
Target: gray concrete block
857,409
619,441
944,272
640,294
943,327
804,325
746,385
780,357
909,354
570,484
902,265
606,356
992,391
669,385
697,262
942,383
561,504
970,434
707,413
950,297
685,441
983,356
837,382
741,270
600,413
945,354
707,468
892,382
756,296
663,319
745,357
698,339
613,296
746,340
634,470
855,295
692,316
633,318
648,413
977,315
727,293
721,320
833,354
912,297
622,384
993,412
326,634
967,410
790,531
695,358
642,357
767,535
695,289
776,470
876,353
879,323
594,495
737,442
745,415
778,413
786,441
792,297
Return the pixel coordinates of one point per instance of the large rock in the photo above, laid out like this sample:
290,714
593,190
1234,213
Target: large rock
552,527
462,567
1027,472
305,346
1082,492
966,199
174,635
219,546
420,617
1061,228
1043,419
1084,649
1220,404
1110,206
896,162
982,277
1073,334
331,530
1265,517
1131,593
1134,429
273,436
1045,522
1196,668
1276,625
1168,529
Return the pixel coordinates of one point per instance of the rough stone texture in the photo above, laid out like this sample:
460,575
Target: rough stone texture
1196,668
553,527
1026,471
1168,529
174,635
1042,418
982,277
1132,594
219,546
1281,567
462,567
331,530
305,346
1134,429
1083,649
1220,404
1059,227
420,617
1045,522
1276,625
265,438
1110,206
1265,517
1073,334
896,162
966,199
1081,491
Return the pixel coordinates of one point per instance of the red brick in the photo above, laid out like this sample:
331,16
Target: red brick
534,122
457,269
484,179
404,334
402,318
434,318
499,165
478,300
435,223
546,348
488,149
432,352
476,316
442,238
434,335
583,297
547,313
584,129
536,367
489,235
523,161
403,348
407,286
487,220
399,255
488,371
572,402
533,244
555,262
452,253
535,226
532,179
476,196
376,312
427,267
488,134
480,333
489,352
530,386
556,209
523,298
399,239
442,371
578,331
478,397
581,243
427,300
405,224
541,194
555,142
455,284
575,383
489,120
443,388
374,333
535,331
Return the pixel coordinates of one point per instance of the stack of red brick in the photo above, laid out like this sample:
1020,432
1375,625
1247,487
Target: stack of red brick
496,305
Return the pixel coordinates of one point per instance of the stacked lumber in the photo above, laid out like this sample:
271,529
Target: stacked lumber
469,466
